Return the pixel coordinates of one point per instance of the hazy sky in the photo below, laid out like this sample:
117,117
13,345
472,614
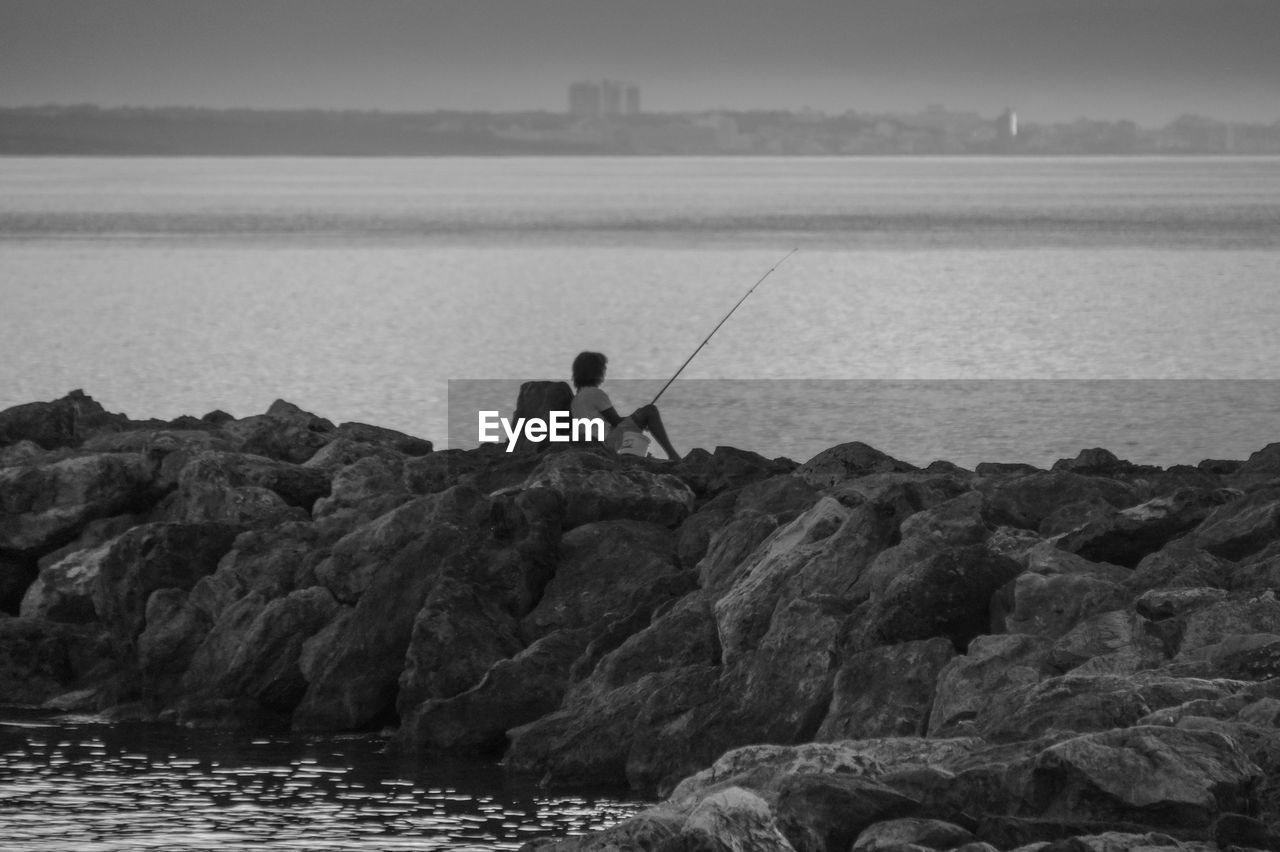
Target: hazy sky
1149,60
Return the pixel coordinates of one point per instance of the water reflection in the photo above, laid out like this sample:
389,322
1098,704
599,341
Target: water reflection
70,784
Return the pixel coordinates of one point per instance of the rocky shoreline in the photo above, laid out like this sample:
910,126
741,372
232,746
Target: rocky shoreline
846,653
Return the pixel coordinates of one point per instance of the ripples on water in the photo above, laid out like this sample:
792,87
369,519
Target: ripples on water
69,784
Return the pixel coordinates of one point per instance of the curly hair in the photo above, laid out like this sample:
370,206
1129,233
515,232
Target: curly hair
588,369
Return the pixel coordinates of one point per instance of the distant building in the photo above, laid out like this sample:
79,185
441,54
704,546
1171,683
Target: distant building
605,98
1007,126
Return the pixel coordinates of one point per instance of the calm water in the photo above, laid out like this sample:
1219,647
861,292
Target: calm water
68,785
358,288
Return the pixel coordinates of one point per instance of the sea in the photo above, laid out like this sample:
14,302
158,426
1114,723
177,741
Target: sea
1009,309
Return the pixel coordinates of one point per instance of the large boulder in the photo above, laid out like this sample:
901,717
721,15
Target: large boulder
1125,536
1052,605
152,557
598,488
356,671
602,566
253,653
45,506
1261,468
821,553
285,433
65,422
945,594
992,669
42,659
1242,527
362,491
727,469
1156,776
512,692
381,436
846,461
886,692
244,489
1026,501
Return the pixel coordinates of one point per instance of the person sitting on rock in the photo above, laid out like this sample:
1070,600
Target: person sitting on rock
591,402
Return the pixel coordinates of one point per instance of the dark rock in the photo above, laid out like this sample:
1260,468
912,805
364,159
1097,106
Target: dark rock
821,812
1220,467
946,594
16,577
356,671
285,436
1125,536
457,636
601,566
1181,565
21,454
726,469
253,652
362,491
65,422
151,557
1237,615
912,831
1095,462
1242,527
695,534
1026,501
1154,776
886,692
1052,605
1261,467
991,669
989,469
598,488
383,437
1158,604
512,692
845,461
41,659
1070,703
1118,642
46,506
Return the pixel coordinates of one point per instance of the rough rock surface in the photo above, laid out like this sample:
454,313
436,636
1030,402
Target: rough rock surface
846,654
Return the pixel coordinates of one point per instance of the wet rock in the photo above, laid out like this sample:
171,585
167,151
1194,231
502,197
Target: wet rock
512,692
253,652
457,636
886,692
46,506
833,466
597,488
41,659
818,812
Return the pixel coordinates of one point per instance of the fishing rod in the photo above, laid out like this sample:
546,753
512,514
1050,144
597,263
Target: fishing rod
722,322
